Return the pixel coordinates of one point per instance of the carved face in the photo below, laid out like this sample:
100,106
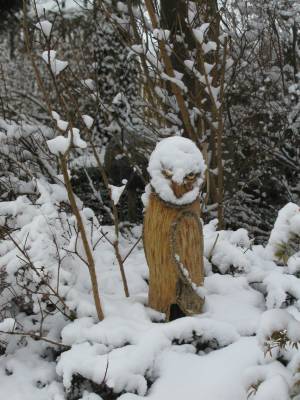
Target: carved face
176,168
188,182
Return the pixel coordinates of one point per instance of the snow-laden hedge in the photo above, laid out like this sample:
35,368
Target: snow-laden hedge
244,344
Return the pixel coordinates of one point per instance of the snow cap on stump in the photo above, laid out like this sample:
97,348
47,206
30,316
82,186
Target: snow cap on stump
179,157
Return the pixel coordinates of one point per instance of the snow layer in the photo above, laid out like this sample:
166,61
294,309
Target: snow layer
58,145
88,121
61,144
56,66
137,348
25,375
7,325
216,376
46,27
200,32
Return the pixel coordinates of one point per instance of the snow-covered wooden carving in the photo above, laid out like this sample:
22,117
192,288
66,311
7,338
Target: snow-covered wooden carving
173,238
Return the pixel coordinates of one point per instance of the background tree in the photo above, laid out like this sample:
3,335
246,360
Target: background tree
9,22
262,113
183,62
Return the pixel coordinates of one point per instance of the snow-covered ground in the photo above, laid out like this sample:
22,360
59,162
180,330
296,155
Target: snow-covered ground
218,355
68,5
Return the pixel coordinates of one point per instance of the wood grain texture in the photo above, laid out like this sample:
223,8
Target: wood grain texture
172,237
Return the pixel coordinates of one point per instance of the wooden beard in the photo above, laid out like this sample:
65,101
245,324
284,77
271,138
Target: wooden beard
173,244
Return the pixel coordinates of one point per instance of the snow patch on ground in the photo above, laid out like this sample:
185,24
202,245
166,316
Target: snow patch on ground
219,354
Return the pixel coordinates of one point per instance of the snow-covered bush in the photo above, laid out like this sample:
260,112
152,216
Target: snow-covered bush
243,339
284,238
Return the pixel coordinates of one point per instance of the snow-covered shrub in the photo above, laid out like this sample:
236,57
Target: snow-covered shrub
284,238
278,336
132,353
225,251
278,332
24,155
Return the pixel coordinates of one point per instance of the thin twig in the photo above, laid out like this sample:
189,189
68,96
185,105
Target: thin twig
36,336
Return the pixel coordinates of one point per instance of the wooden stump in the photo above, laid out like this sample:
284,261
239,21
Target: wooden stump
173,244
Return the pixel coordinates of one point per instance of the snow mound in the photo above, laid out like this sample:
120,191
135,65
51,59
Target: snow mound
265,382
287,225
132,352
278,320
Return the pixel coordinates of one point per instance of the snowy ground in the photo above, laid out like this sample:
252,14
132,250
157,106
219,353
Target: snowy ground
218,355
